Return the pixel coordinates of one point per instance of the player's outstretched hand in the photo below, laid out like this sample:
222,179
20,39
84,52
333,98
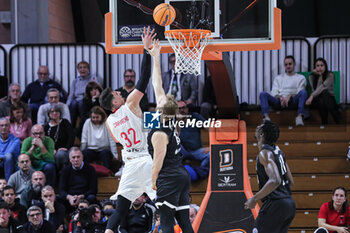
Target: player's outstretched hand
148,37
155,51
250,204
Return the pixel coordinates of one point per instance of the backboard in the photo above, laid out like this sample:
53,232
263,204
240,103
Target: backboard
236,25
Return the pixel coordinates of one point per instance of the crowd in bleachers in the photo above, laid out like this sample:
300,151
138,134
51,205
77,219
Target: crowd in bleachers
50,144
41,129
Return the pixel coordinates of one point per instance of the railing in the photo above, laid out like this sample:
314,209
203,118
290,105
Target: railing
254,70
61,59
3,61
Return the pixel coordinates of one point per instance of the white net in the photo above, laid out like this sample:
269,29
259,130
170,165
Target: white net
188,46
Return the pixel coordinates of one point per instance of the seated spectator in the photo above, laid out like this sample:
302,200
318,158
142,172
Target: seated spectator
53,97
191,143
78,181
322,96
77,90
90,100
18,212
129,86
13,99
36,91
7,223
21,178
334,216
181,86
20,124
53,211
36,223
31,195
9,148
208,98
40,149
60,131
96,141
288,90
139,217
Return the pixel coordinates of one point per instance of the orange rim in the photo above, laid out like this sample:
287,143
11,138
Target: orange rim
187,32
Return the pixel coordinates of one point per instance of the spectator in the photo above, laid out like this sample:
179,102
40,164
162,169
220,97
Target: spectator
334,216
9,148
208,98
37,224
91,99
129,86
94,226
96,141
108,209
77,90
3,183
60,131
193,213
53,211
20,124
40,149
181,86
322,96
22,178
82,204
139,219
32,194
7,223
78,181
288,90
18,211
36,91
53,97
14,99
191,143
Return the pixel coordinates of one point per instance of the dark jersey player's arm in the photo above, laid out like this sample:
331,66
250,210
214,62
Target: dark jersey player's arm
290,177
136,95
266,158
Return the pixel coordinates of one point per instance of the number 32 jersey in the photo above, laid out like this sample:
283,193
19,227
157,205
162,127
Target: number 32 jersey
127,129
283,190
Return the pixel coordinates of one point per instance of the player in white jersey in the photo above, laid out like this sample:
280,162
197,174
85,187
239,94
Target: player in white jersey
126,127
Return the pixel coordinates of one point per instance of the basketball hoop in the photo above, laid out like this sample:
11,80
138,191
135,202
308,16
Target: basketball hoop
188,45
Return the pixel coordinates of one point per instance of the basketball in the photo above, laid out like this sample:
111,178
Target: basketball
164,14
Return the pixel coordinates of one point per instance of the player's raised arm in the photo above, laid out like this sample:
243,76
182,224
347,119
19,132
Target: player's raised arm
157,75
133,100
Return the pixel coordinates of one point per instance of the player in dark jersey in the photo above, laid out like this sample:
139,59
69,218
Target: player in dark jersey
169,177
275,179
